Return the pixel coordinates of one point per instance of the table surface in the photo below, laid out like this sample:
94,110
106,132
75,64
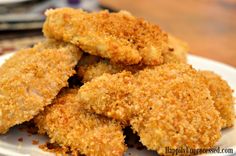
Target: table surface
209,26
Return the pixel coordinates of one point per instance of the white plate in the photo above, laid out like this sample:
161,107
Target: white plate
9,144
12,1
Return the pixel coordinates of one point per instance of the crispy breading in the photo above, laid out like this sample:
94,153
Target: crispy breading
222,97
32,78
68,124
120,37
177,51
95,66
109,95
87,61
180,109
88,72
168,105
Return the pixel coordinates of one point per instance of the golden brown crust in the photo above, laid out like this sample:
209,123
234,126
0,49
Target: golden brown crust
168,105
32,78
222,97
87,72
181,111
91,66
68,124
177,51
109,95
120,36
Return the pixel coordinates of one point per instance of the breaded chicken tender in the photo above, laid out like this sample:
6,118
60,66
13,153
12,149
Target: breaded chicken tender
110,95
95,66
88,72
68,124
177,51
120,37
168,105
32,78
180,109
222,97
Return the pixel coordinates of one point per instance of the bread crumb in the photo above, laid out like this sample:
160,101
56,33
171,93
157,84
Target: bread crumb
20,139
35,142
55,148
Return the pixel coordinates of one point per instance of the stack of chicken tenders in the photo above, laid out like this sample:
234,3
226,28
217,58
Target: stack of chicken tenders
132,74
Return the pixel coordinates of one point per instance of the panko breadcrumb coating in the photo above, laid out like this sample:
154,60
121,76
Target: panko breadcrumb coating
68,124
177,51
32,78
180,109
168,105
88,72
91,66
222,97
109,95
120,37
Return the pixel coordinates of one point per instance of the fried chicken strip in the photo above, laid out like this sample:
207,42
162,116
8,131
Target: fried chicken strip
110,96
180,112
120,37
67,123
222,97
168,105
96,66
89,72
32,78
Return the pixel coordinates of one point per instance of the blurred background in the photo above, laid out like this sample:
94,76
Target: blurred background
209,26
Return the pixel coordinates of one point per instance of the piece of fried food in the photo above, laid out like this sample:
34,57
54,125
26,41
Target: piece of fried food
222,97
32,78
110,95
88,72
168,105
177,52
68,124
181,111
120,37
95,66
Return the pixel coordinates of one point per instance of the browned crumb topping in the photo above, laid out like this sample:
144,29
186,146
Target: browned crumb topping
120,36
171,49
57,149
35,142
20,139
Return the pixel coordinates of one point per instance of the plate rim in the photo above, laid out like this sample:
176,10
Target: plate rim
12,1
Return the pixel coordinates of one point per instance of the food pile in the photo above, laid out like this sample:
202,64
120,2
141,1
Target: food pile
131,73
